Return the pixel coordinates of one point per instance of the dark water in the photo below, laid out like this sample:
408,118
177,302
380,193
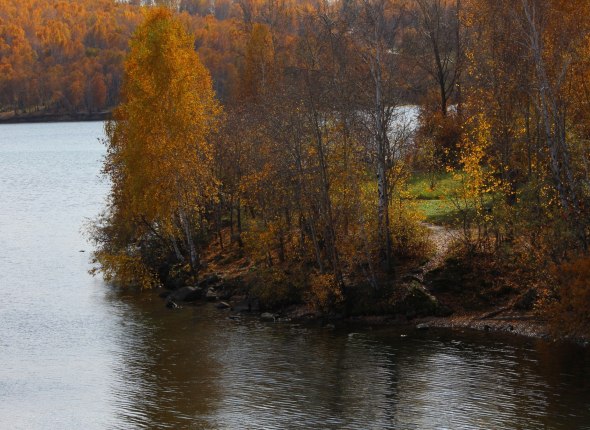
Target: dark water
75,354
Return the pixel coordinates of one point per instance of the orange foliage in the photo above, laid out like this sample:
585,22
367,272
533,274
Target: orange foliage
571,314
53,55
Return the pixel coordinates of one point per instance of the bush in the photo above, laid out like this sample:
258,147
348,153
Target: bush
570,312
276,288
324,295
410,238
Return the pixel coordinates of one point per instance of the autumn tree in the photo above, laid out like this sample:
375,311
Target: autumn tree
159,155
375,26
438,46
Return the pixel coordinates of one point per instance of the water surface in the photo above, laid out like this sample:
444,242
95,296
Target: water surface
75,353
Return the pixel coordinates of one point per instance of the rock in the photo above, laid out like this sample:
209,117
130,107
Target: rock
422,327
211,295
443,311
173,283
247,305
172,305
224,295
415,301
267,316
186,294
209,280
164,294
223,305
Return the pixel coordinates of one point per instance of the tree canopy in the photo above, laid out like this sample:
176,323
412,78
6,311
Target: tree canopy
159,151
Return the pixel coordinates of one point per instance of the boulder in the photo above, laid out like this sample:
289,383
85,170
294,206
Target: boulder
172,305
223,305
247,305
209,280
267,316
422,327
416,301
211,295
185,294
224,295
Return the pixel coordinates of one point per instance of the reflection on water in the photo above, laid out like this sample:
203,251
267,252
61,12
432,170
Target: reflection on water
77,354
196,368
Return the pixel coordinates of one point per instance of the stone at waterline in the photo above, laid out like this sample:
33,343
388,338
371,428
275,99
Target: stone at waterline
224,294
422,327
247,305
415,301
223,305
209,280
185,294
172,305
211,295
267,316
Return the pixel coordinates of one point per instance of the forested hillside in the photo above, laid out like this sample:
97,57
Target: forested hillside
62,55
67,56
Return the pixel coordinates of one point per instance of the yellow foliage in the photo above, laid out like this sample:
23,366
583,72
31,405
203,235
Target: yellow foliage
158,138
159,157
324,294
124,270
409,236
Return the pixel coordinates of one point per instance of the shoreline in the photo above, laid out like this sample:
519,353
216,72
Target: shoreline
517,324
44,117
230,286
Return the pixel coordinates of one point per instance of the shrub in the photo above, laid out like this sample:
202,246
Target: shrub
571,311
324,295
410,238
276,288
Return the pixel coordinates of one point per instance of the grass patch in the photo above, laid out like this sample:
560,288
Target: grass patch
424,186
433,195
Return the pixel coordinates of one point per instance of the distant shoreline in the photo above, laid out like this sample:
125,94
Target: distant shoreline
40,117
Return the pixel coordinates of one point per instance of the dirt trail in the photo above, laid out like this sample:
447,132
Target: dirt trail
442,238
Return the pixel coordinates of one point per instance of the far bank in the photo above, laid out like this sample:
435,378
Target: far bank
42,116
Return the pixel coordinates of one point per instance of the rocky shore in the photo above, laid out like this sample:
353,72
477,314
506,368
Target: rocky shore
441,293
420,312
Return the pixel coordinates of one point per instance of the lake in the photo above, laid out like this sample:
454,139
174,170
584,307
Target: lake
75,353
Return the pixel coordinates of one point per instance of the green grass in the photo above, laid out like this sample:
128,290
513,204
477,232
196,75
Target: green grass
433,194
424,186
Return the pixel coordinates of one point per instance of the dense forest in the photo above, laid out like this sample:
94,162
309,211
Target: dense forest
316,149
